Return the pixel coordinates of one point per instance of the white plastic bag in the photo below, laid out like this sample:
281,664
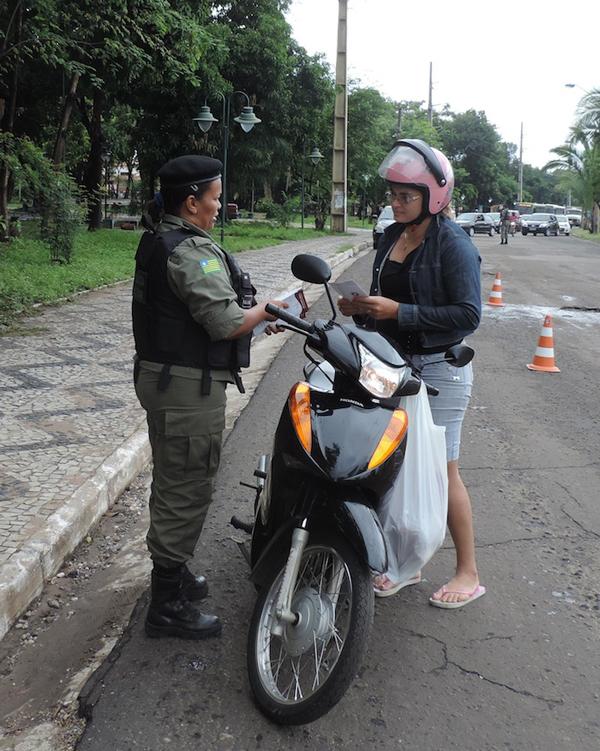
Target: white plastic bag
414,511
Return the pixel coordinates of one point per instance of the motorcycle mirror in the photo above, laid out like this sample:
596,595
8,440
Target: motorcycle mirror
459,355
311,269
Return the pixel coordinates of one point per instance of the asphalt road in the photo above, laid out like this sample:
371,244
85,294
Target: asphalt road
519,669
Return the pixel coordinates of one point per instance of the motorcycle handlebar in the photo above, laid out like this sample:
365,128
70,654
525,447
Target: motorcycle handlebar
294,321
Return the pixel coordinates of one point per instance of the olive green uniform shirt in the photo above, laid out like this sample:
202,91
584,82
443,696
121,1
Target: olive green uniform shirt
198,275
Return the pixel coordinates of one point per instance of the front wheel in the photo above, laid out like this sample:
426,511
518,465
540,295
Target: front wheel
301,675
546,232
471,231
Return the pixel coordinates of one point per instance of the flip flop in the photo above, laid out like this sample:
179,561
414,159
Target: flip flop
478,592
393,588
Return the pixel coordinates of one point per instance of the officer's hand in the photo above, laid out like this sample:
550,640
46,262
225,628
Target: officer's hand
278,304
273,329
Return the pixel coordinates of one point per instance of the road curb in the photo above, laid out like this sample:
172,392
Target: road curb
22,579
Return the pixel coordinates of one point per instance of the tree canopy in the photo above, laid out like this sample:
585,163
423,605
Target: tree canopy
100,86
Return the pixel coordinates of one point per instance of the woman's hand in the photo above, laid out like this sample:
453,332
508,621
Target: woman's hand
347,307
379,308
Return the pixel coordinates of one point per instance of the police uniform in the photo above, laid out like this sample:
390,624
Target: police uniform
189,295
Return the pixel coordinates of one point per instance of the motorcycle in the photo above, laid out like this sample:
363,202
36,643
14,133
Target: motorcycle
316,537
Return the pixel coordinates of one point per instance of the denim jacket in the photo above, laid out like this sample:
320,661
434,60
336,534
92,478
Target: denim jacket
444,281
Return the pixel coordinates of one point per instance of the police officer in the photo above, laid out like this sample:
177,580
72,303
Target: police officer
193,315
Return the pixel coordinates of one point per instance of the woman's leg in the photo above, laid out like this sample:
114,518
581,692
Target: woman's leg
460,524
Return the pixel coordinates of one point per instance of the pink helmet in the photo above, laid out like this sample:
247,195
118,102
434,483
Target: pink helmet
415,162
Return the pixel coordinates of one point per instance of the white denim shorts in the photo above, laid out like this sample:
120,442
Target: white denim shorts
449,406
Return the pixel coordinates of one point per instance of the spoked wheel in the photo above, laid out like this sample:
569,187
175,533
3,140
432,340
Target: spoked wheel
301,675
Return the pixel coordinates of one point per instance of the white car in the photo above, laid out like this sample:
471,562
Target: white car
385,218
564,224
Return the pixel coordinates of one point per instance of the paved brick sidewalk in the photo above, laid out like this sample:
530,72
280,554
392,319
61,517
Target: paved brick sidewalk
69,419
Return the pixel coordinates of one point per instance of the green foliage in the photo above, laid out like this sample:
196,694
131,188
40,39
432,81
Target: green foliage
281,213
55,192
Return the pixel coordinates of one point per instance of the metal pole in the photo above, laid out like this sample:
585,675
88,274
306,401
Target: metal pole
521,167
303,160
340,131
399,125
430,105
226,112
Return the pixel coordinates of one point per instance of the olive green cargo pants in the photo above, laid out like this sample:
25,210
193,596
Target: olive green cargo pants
185,430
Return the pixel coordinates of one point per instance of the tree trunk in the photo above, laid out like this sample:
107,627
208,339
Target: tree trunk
58,153
595,217
93,172
267,190
7,123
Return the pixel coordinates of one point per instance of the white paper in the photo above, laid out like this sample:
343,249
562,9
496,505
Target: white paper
348,290
297,306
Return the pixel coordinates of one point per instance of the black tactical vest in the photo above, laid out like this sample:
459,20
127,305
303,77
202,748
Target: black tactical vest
163,328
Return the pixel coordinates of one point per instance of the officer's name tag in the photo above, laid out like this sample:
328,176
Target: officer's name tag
210,265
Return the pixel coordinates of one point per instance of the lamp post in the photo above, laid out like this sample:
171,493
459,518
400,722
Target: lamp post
315,157
247,120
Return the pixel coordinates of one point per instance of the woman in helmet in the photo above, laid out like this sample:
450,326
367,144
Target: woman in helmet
425,295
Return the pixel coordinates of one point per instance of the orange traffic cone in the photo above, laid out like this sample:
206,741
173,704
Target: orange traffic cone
496,293
544,354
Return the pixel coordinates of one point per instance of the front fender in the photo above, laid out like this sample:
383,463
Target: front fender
361,526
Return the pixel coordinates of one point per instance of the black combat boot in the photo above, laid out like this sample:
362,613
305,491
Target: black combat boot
172,614
195,588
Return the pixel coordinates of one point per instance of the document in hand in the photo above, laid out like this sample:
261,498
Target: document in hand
297,306
348,290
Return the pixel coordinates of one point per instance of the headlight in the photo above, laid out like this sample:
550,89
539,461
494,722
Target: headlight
376,377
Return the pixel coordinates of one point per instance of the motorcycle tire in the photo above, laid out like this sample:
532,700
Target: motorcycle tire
300,676
471,231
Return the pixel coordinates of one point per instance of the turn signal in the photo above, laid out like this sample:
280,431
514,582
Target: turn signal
390,440
299,405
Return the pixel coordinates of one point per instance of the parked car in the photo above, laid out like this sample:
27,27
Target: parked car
476,223
495,217
564,224
385,218
544,224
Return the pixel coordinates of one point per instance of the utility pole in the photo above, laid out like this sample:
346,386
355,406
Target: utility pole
430,105
340,130
399,125
521,166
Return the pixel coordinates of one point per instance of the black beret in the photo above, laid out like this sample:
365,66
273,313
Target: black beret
189,170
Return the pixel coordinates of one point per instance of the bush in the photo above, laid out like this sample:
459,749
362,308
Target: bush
281,213
54,191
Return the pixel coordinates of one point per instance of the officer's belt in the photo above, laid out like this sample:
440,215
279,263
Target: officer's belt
182,371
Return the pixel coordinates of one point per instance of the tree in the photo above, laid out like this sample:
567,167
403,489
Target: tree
578,163
472,143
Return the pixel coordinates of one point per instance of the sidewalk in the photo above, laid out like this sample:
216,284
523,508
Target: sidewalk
73,435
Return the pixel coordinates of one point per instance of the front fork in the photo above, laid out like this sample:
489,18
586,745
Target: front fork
283,608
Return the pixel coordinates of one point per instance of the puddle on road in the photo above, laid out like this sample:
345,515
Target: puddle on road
571,314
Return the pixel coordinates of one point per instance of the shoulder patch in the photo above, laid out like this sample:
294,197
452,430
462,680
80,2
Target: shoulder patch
210,265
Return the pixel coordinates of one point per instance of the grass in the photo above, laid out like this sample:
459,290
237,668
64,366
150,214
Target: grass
584,234
27,277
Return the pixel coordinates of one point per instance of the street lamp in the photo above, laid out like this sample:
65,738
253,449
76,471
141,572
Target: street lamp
315,157
247,120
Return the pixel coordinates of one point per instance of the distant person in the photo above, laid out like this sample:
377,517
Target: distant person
193,315
505,219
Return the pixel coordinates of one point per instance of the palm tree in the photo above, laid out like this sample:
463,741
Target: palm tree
589,113
578,162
